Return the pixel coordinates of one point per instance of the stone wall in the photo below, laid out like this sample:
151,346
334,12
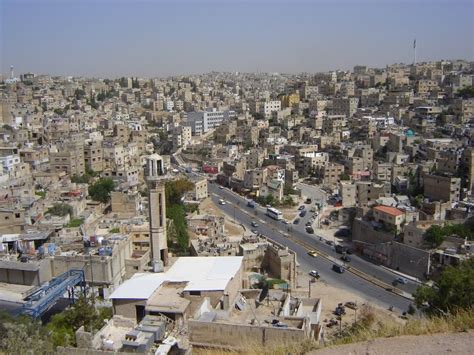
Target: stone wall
210,334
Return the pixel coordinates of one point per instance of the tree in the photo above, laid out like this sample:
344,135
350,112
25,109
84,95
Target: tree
100,191
466,93
79,94
453,290
177,214
434,235
60,209
23,335
175,190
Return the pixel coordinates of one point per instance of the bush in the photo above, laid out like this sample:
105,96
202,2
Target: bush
75,222
60,209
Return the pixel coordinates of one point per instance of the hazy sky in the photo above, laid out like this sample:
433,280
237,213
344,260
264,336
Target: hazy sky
153,38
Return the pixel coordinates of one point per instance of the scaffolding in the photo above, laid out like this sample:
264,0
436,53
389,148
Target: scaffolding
46,296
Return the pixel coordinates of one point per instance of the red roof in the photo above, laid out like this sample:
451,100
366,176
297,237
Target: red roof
389,210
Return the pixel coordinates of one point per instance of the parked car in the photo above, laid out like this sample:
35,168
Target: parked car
310,230
346,258
344,232
308,224
296,221
338,268
254,231
308,200
340,248
221,187
301,208
329,242
314,273
312,210
303,213
284,221
221,202
254,224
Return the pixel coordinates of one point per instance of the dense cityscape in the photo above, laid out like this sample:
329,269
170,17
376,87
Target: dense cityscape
251,177
189,209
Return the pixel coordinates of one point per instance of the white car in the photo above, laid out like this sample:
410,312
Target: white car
314,273
221,202
221,187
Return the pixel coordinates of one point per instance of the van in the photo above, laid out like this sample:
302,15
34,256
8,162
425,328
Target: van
338,268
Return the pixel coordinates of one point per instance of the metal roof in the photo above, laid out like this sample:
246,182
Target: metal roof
211,273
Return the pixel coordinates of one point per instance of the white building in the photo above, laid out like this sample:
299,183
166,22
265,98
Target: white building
271,106
203,121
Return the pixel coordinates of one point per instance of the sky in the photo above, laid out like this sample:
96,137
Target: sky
145,38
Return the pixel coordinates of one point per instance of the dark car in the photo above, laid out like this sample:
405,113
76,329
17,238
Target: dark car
296,221
308,224
310,230
338,268
343,233
340,249
346,258
303,213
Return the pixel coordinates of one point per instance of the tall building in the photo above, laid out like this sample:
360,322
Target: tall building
201,122
155,177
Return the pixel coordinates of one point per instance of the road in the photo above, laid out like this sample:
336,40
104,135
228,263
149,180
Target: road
236,207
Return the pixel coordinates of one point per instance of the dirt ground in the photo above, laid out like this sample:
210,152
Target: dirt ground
232,228
450,343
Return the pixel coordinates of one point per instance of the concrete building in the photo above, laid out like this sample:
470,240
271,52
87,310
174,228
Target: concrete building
69,159
441,188
391,217
94,156
203,121
190,283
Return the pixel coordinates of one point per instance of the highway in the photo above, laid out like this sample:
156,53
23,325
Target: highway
236,208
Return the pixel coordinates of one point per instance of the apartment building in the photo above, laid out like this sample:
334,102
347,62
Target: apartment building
203,121
94,156
69,159
441,188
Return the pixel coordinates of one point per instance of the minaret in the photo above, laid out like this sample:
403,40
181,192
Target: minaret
11,72
155,177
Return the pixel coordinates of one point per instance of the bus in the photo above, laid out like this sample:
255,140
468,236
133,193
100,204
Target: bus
274,213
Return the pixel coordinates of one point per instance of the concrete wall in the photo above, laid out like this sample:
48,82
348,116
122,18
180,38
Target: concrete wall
19,273
240,336
363,231
126,307
281,263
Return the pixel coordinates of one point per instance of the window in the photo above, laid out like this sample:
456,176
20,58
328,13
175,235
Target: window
195,293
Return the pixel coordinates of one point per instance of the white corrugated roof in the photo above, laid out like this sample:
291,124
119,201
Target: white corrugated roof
202,274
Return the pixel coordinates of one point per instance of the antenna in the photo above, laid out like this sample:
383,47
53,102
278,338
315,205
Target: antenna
414,51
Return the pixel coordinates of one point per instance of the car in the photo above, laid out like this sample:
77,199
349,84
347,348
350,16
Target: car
346,258
221,187
338,268
221,202
254,231
401,280
340,249
301,208
309,230
254,224
343,233
313,253
308,200
284,221
314,273
312,210
303,213
308,224
296,221
329,242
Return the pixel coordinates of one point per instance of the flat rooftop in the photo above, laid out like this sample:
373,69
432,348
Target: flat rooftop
200,274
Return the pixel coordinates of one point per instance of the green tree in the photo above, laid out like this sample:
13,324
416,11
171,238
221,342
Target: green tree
63,326
60,209
100,191
466,93
175,190
177,214
79,94
434,235
23,335
453,290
